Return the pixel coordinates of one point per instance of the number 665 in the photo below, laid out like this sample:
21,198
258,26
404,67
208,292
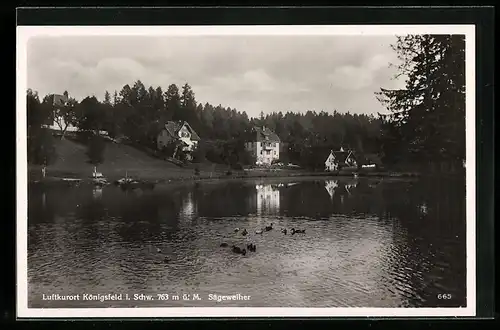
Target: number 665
444,296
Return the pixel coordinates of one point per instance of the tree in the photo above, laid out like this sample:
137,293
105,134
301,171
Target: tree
40,143
115,98
107,98
93,118
428,115
199,154
172,102
42,151
95,150
64,114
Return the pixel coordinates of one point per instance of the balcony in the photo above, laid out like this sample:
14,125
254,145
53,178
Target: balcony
267,146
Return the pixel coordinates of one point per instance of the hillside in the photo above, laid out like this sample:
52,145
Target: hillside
72,161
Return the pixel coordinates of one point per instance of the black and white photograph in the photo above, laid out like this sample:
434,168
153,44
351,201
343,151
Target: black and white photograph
245,170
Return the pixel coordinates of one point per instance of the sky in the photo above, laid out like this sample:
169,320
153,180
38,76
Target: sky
249,73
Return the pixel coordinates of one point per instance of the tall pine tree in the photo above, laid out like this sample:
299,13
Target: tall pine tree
428,116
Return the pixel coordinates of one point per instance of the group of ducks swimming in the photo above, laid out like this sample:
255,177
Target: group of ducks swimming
251,247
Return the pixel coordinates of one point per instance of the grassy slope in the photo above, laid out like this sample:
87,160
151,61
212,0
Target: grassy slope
72,161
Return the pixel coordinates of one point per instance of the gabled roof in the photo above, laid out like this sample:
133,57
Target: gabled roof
341,156
173,128
265,134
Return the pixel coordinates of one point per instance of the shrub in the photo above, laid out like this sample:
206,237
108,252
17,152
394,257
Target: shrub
237,167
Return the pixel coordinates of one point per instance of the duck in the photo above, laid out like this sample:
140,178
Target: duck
239,250
223,245
236,230
244,232
298,231
259,231
284,231
251,247
158,250
268,228
165,260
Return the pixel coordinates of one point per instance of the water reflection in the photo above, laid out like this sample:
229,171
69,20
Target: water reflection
330,186
97,192
268,199
368,243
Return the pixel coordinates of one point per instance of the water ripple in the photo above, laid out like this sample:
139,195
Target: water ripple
345,259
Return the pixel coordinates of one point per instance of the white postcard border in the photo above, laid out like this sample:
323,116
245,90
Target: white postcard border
26,32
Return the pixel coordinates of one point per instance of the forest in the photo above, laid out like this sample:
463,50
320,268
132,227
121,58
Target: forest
425,126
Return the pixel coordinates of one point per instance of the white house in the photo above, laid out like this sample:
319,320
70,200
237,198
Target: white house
180,131
264,145
339,159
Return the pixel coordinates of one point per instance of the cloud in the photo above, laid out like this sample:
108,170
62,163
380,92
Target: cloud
251,73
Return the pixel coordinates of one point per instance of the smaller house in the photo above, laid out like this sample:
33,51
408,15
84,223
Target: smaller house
179,131
340,159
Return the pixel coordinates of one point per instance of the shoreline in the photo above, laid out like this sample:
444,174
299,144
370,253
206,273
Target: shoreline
69,177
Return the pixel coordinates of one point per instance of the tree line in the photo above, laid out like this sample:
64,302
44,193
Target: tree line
138,114
426,123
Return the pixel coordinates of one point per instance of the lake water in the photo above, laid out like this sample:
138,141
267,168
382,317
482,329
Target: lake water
368,243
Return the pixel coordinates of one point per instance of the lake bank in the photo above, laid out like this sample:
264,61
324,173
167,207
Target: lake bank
158,176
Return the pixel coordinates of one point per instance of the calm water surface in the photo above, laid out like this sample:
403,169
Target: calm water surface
368,243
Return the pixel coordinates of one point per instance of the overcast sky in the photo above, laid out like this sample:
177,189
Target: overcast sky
249,73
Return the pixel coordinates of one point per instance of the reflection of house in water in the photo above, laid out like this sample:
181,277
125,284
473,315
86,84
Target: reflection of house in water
268,198
188,207
350,185
330,186
97,192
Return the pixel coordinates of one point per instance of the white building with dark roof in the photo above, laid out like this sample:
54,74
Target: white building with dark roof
264,145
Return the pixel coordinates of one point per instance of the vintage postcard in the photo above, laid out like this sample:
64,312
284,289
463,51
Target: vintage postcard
246,171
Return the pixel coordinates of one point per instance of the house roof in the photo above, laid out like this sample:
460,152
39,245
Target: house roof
173,128
59,99
265,134
341,156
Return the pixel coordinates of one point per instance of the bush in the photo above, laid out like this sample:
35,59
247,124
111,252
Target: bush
182,156
41,148
199,154
237,167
